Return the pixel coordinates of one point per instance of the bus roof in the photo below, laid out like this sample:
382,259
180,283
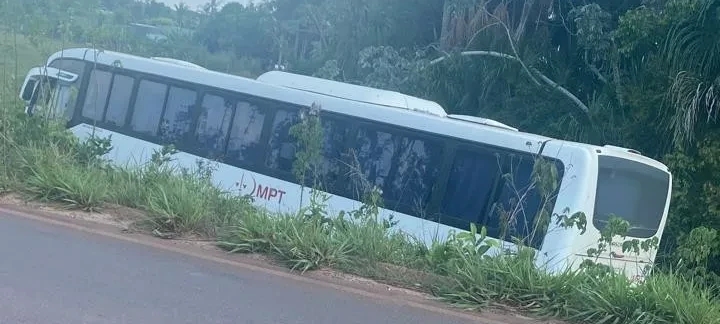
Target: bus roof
366,103
351,92
178,62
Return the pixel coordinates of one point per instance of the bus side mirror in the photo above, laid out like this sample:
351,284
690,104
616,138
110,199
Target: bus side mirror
28,89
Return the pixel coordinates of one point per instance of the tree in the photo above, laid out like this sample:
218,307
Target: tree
692,51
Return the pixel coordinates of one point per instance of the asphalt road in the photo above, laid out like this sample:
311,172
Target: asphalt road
51,274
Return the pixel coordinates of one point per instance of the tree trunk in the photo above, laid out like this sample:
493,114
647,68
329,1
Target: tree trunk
446,29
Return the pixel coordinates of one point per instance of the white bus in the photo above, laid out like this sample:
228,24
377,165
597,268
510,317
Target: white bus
438,172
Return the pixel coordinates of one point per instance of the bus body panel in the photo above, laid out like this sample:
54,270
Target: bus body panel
275,195
575,195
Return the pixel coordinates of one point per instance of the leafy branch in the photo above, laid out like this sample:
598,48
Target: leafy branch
530,71
533,73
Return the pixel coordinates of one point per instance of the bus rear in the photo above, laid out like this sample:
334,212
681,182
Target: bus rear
636,189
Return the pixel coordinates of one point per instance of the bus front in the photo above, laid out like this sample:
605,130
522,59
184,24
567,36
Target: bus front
50,92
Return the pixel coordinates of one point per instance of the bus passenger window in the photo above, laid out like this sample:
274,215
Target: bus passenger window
119,101
282,144
245,133
418,165
176,122
96,95
371,161
148,107
519,202
469,185
331,172
213,124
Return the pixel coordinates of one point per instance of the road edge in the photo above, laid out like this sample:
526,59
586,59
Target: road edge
218,257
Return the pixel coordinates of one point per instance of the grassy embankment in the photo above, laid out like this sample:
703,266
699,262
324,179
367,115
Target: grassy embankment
43,162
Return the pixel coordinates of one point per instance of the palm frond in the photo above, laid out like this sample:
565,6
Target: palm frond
692,52
689,97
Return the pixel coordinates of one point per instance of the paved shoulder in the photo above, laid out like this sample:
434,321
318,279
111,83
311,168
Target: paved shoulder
50,274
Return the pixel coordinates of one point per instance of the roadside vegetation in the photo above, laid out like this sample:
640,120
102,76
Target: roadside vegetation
42,161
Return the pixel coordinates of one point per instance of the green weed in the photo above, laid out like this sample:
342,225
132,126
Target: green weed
48,173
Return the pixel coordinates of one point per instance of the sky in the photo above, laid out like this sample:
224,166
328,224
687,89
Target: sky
195,4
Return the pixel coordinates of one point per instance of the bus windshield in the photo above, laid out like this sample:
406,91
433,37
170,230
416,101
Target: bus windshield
634,191
53,97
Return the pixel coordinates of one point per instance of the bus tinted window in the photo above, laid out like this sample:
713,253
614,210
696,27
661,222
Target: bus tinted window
148,107
177,118
522,198
213,124
331,171
96,95
245,133
371,161
282,144
71,65
416,170
469,185
633,191
119,100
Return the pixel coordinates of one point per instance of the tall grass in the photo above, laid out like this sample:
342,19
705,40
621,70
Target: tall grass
47,163
463,277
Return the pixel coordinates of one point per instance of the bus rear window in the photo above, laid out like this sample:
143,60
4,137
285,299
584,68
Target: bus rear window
632,191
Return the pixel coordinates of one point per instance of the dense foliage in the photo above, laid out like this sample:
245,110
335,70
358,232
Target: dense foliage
635,73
